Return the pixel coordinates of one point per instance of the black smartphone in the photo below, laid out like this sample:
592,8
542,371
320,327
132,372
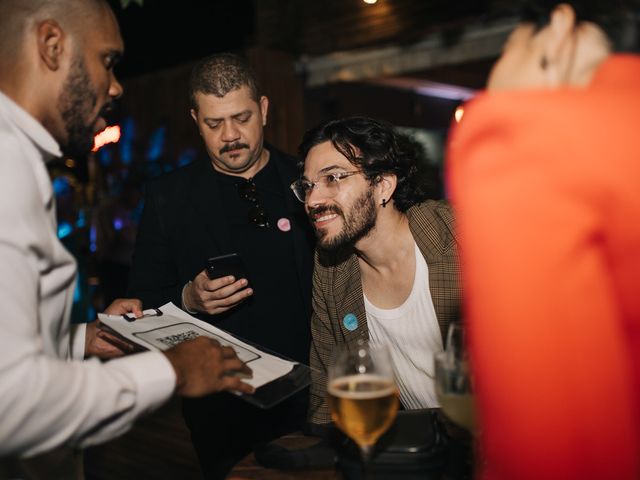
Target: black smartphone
225,265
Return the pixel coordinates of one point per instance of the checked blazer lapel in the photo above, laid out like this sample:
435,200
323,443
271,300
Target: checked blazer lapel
349,299
439,249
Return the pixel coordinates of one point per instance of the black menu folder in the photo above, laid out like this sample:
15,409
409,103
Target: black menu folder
280,389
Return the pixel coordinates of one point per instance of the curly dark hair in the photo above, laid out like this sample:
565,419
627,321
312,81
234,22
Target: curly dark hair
220,74
375,148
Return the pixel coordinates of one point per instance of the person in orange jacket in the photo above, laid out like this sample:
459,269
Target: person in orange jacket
544,174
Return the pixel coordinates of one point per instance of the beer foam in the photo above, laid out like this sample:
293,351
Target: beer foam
386,387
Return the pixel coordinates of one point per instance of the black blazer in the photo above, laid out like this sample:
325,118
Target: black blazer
183,224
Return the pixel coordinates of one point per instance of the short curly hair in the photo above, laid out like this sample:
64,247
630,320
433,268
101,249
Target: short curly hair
375,148
220,74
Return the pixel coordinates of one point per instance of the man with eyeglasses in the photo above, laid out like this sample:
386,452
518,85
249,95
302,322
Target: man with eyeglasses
386,266
235,201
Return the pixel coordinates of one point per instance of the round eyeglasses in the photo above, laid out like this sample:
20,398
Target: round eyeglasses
330,182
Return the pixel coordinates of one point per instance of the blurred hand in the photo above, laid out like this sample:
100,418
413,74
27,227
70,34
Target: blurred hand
101,344
203,366
121,306
215,296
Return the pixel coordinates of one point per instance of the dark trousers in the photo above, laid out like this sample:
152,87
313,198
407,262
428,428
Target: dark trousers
224,429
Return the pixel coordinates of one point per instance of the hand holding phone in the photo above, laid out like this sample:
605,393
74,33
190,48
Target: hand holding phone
212,291
225,265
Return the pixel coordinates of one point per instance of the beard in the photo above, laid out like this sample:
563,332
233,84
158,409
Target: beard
357,224
76,104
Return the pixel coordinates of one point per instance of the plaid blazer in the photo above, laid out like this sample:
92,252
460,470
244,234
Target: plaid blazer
337,292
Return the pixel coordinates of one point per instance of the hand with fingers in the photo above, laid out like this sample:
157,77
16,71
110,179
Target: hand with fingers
101,344
120,306
203,366
214,296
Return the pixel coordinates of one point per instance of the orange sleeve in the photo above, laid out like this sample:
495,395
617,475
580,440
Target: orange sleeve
552,366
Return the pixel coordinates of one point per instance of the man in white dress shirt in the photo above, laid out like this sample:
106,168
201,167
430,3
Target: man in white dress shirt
56,81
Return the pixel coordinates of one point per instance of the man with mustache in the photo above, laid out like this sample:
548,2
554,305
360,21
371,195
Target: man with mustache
235,201
386,266
56,80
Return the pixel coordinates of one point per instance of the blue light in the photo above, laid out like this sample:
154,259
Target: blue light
127,129
77,294
126,141
104,157
64,229
61,186
92,238
156,144
82,220
126,152
186,157
117,223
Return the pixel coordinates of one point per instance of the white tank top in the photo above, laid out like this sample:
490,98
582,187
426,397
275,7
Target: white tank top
413,336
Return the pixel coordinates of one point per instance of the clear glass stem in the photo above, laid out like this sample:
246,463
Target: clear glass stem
367,454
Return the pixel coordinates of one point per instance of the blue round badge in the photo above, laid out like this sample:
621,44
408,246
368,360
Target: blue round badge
350,322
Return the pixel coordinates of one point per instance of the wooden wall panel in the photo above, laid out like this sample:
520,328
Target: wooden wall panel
318,27
279,81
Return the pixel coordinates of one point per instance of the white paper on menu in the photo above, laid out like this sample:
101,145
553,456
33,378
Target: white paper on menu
175,326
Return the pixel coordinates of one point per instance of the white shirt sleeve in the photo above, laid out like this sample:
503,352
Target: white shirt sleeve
47,401
46,398
77,341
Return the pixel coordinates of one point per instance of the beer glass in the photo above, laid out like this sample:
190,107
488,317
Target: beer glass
363,396
453,379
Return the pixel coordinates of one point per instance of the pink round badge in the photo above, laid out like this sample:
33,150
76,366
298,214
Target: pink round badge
284,224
